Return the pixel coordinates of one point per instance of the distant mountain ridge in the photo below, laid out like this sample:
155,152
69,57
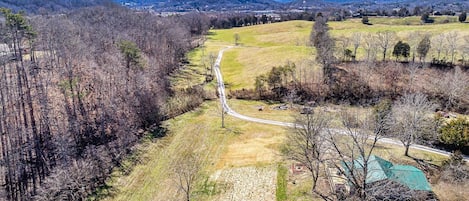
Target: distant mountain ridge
37,6
34,6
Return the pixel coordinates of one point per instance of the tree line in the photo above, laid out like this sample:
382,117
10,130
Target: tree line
78,90
446,49
230,20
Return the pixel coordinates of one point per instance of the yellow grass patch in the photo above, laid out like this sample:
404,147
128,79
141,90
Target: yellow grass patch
258,148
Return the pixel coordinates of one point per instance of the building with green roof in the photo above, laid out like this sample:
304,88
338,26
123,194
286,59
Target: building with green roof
410,176
380,170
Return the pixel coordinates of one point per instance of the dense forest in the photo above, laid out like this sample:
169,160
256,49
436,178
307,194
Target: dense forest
78,90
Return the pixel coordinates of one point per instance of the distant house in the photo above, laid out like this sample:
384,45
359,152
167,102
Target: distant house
380,170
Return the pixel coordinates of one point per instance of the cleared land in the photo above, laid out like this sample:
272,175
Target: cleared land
242,158
265,46
242,148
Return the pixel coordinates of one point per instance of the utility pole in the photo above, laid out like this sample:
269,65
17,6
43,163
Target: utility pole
222,101
223,116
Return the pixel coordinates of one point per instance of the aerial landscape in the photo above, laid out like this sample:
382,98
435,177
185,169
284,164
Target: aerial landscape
234,100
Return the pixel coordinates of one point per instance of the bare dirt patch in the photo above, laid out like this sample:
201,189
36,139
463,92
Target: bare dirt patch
246,183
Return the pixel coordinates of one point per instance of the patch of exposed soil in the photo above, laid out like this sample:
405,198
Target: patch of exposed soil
246,183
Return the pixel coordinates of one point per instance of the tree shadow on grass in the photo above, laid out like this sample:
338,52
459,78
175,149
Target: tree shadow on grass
425,165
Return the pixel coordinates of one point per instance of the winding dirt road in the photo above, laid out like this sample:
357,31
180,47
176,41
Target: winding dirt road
228,110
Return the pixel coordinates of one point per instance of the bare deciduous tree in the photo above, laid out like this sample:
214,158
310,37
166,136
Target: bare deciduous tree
439,45
348,152
306,144
453,86
236,39
188,162
370,47
413,39
385,41
342,46
392,76
357,141
64,98
454,169
464,50
212,57
410,119
412,71
356,41
452,40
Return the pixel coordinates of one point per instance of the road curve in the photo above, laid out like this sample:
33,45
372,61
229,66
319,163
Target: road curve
228,110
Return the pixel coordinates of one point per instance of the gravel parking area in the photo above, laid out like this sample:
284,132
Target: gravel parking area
247,183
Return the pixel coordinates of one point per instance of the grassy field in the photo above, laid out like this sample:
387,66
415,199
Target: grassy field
240,144
243,144
412,20
151,177
265,46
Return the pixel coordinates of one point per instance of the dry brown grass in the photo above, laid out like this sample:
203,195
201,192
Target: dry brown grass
253,148
451,192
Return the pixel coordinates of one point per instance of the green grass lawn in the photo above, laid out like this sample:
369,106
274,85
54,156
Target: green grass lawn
281,191
240,144
265,46
151,177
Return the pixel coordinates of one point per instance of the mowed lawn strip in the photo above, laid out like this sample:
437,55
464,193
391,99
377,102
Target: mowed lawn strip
240,144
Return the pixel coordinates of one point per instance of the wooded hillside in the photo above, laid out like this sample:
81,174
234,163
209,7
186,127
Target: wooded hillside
77,91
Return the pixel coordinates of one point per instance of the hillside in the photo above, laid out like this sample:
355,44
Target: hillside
454,5
89,87
203,5
36,6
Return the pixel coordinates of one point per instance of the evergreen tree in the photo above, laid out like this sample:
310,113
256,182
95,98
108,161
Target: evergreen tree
462,17
401,49
423,47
